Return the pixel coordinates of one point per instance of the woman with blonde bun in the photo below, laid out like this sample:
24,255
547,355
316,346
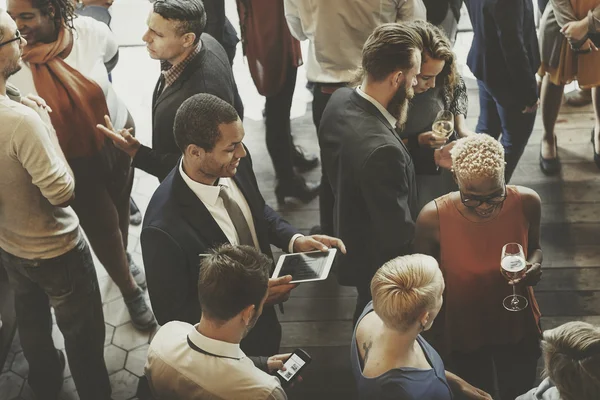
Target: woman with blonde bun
390,358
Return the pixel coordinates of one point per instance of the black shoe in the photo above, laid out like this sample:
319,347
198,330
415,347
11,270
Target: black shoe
550,166
302,161
596,155
135,216
297,188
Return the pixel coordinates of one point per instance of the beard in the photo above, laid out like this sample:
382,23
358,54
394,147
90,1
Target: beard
399,105
11,69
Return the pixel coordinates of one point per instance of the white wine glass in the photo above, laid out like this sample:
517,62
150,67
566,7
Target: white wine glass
513,266
443,126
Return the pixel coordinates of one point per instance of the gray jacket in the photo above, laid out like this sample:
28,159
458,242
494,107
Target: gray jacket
546,391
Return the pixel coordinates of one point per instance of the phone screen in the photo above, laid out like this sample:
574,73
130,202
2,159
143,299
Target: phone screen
292,366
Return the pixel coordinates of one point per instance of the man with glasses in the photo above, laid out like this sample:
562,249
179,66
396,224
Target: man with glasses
466,230
42,249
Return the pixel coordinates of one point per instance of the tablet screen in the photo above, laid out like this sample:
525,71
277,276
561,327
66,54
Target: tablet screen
304,266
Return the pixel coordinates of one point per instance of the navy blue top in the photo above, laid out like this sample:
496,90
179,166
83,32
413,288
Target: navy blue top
402,383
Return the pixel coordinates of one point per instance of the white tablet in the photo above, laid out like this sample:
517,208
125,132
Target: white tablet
305,267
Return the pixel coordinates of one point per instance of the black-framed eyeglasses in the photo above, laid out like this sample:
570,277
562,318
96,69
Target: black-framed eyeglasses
17,37
492,200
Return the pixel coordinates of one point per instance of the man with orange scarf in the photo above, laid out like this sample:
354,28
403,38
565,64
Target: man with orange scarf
65,65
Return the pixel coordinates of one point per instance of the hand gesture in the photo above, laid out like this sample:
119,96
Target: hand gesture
575,30
532,276
317,242
430,139
279,290
275,363
442,156
473,393
531,109
37,104
122,139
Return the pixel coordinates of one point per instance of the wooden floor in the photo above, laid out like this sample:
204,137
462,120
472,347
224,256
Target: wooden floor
318,316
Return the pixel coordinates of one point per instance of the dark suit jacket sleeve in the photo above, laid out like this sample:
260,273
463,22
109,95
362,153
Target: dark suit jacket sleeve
215,19
168,276
509,17
154,162
423,157
385,190
280,231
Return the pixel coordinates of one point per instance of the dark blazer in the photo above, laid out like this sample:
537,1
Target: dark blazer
373,178
178,228
505,53
209,72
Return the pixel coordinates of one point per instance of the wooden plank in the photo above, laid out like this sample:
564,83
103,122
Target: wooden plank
569,303
577,233
553,322
569,279
571,256
299,309
529,173
321,333
571,212
567,192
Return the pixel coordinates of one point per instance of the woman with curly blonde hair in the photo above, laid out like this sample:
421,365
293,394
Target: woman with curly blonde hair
466,231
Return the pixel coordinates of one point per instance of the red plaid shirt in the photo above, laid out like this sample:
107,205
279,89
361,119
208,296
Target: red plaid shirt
172,72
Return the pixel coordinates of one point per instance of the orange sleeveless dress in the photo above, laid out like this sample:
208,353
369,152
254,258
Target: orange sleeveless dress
470,252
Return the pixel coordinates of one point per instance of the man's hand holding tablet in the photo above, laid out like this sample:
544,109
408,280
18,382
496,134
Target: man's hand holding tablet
280,286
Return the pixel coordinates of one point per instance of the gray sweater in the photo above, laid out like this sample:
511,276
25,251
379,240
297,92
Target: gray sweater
546,391
34,179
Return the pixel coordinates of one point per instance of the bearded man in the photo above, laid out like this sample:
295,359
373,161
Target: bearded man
369,167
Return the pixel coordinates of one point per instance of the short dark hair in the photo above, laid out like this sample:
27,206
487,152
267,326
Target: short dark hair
190,15
231,279
198,118
389,48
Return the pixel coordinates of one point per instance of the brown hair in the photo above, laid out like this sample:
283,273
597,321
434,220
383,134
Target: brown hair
391,47
232,278
437,46
572,360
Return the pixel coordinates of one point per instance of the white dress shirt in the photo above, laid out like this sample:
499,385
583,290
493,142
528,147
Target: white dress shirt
377,104
209,196
183,364
338,29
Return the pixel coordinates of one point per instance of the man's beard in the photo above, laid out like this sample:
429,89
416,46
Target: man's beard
398,107
11,69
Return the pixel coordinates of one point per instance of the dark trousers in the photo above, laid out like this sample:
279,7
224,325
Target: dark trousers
278,128
101,202
515,127
69,284
321,95
265,337
513,368
364,297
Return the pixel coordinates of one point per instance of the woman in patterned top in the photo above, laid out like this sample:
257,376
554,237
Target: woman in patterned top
439,88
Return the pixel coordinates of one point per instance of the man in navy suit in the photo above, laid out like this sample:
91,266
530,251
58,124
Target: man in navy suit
504,57
210,198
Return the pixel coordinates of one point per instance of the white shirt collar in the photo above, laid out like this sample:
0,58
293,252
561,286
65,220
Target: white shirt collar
215,347
390,118
208,194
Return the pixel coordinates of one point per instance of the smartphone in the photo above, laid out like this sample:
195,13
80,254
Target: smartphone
293,365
